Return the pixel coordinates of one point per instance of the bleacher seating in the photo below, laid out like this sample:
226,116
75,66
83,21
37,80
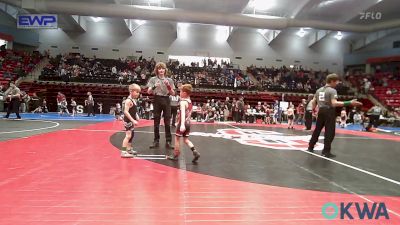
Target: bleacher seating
93,70
294,79
385,86
14,64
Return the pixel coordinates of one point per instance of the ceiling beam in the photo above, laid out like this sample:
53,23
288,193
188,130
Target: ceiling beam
74,22
269,35
371,38
179,15
274,36
9,10
317,36
302,6
127,22
321,34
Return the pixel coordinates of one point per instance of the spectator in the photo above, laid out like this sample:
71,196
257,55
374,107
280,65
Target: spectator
240,110
25,98
357,119
374,115
300,112
114,70
60,98
367,86
210,116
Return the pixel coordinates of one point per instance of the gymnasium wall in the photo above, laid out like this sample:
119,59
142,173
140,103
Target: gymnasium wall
380,48
24,37
162,37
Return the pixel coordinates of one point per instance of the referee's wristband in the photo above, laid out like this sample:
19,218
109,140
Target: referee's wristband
153,88
346,103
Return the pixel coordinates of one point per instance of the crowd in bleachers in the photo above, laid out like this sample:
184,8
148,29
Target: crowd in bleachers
292,79
77,68
383,85
15,64
211,75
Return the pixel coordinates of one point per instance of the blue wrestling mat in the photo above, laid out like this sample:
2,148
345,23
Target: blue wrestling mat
55,116
380,128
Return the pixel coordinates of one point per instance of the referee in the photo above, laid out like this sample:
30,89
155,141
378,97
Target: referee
326,99
161,87
308,114
14,96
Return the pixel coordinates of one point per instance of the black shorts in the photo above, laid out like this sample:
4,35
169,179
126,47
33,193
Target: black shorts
343,118
185,133
129,126
290,117
63,109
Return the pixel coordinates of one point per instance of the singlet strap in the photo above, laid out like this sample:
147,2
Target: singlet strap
133,101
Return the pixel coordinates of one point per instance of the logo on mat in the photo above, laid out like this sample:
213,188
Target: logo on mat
355,210
263,138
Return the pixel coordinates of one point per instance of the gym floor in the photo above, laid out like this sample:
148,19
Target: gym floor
57,171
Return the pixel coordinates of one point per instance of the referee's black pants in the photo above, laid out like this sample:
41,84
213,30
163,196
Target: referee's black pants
326,118
162,104
174,112
13,107
373,121
308,118
90,110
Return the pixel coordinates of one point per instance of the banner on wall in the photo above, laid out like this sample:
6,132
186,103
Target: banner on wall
37,21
